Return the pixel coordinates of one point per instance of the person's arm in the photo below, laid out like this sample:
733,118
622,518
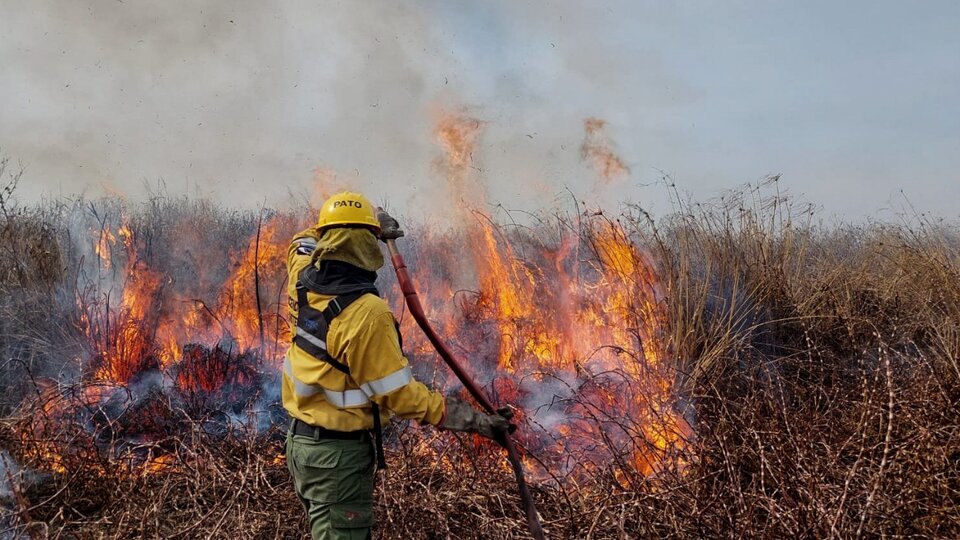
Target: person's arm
379,367
372,351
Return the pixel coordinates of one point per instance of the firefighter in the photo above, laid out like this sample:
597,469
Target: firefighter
344,374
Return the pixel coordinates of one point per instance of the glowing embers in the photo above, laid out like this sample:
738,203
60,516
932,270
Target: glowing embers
135,426
216,379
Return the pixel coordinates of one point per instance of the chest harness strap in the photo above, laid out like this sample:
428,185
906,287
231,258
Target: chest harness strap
311,336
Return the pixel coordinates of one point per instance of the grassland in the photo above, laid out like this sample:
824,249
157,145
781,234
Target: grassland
818,365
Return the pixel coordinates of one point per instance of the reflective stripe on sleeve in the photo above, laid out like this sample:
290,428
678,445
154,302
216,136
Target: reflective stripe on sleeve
311,338
303,389
305,246
341,399
396,380
346,399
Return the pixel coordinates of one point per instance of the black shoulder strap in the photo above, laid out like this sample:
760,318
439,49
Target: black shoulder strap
338,304
313,325
301,297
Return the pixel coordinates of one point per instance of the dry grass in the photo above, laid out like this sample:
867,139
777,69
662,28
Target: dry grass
818,364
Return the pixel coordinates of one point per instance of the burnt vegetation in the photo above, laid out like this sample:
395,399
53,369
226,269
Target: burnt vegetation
817,366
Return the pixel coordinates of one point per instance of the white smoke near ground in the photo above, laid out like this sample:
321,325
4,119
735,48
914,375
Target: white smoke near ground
10,478
8,471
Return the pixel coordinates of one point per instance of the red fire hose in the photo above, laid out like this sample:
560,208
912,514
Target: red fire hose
416,309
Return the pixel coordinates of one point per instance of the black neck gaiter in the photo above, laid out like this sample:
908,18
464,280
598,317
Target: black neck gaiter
337,277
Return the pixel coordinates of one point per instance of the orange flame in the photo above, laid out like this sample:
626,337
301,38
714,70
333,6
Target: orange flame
259,270
587,313
148,329
458,135
106,238
596,149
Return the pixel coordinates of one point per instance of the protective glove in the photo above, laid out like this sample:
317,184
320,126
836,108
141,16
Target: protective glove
460,416
389,227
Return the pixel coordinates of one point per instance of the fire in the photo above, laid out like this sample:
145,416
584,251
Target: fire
570,330
119,331
596,149
459,135
163,463
259,269
106,238
141,325
148,328
583,320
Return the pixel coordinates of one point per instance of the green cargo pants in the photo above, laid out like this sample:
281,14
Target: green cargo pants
334,481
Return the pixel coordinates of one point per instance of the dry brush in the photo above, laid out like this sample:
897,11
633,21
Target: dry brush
816,365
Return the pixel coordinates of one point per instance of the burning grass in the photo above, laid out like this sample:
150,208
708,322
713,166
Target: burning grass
732,370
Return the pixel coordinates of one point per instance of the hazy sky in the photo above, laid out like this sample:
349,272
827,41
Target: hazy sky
243,99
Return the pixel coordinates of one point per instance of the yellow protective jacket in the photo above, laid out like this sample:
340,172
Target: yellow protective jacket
365,339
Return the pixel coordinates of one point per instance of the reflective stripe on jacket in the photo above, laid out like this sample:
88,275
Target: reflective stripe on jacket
364,337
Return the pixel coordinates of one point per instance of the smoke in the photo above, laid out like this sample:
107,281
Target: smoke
8,471
244,102
12,477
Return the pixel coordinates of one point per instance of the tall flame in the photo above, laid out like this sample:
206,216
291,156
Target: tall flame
587,313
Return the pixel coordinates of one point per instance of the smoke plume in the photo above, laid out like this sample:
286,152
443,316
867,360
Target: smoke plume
250,103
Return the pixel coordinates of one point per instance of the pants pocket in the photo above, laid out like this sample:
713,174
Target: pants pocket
316,471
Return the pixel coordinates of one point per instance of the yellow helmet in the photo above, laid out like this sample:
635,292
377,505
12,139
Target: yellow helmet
347,208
